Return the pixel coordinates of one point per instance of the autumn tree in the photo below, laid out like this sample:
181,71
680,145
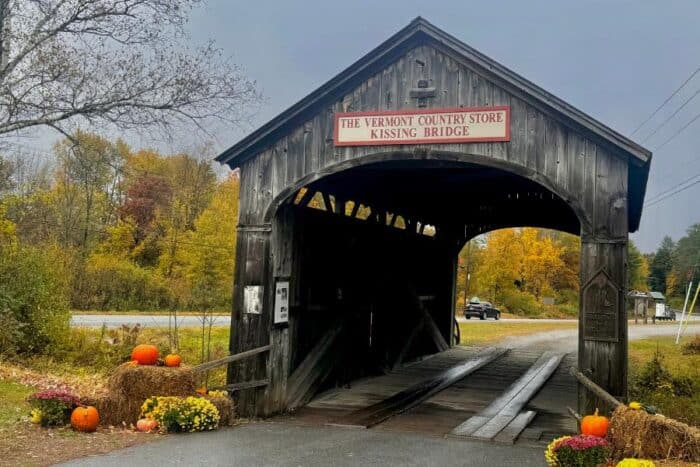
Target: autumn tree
112,63
88,168
517,268
661,265
637,268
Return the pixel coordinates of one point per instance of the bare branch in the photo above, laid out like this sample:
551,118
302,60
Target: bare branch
73,63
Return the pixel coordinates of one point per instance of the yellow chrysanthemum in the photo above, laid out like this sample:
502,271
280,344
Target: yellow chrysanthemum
635,463
35,416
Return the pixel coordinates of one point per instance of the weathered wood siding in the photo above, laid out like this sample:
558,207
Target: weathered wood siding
578,167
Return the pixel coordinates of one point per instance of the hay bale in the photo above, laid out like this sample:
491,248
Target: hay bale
129,386
635,433
143,381
224,405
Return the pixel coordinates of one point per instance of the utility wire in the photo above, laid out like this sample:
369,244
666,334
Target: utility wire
686,102
678,132
671,194
666,101
658,195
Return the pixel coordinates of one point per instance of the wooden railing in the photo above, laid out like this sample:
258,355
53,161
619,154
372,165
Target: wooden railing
231,358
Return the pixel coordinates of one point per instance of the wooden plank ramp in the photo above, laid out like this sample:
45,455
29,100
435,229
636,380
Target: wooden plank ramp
504,413
402,401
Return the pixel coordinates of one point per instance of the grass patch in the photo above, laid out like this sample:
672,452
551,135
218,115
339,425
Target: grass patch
477,333
13,402
678,365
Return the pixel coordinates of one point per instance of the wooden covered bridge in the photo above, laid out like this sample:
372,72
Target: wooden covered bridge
355,203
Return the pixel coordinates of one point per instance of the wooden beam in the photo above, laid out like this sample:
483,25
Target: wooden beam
434,331
245,385
414,395
494,418
409,342
339,206
327,201
231,358
595,389
314,368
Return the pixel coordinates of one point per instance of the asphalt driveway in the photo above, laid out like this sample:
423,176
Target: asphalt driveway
274,444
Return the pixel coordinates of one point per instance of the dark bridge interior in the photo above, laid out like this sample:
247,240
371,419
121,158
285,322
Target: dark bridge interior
376,256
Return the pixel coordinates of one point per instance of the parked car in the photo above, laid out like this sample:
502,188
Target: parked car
482,310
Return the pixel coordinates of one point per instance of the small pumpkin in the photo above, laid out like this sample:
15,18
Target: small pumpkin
85,419
145,354
635,405
201,391
595,425
173,360
146,425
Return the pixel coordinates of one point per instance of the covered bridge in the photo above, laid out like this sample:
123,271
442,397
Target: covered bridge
355,203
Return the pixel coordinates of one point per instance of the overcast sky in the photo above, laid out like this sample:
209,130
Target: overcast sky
615,60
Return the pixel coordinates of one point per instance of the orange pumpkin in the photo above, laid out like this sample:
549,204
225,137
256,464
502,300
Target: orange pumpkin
145,354
173,360
85,419
146,425
595,425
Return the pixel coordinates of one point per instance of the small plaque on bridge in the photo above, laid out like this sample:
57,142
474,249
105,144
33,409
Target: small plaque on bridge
601,308
253,299
460,125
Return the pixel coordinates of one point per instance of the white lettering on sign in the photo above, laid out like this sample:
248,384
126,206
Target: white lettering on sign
462,125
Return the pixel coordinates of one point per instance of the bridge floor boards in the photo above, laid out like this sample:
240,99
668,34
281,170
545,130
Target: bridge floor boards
413,395
441,413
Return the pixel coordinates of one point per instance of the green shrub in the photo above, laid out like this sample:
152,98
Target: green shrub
34,313
112,283
654,377
522,303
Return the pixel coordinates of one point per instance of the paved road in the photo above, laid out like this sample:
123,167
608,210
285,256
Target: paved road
114,321
566,340
272,444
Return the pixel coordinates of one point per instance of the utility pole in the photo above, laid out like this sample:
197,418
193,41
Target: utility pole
467,274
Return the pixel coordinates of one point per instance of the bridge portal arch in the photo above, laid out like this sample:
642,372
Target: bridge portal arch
418,146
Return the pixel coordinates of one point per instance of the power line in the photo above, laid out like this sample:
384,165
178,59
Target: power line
653,198
686,102
671,194
692,120
666,101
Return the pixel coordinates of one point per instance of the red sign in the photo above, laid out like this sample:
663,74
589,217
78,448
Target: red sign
424,126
